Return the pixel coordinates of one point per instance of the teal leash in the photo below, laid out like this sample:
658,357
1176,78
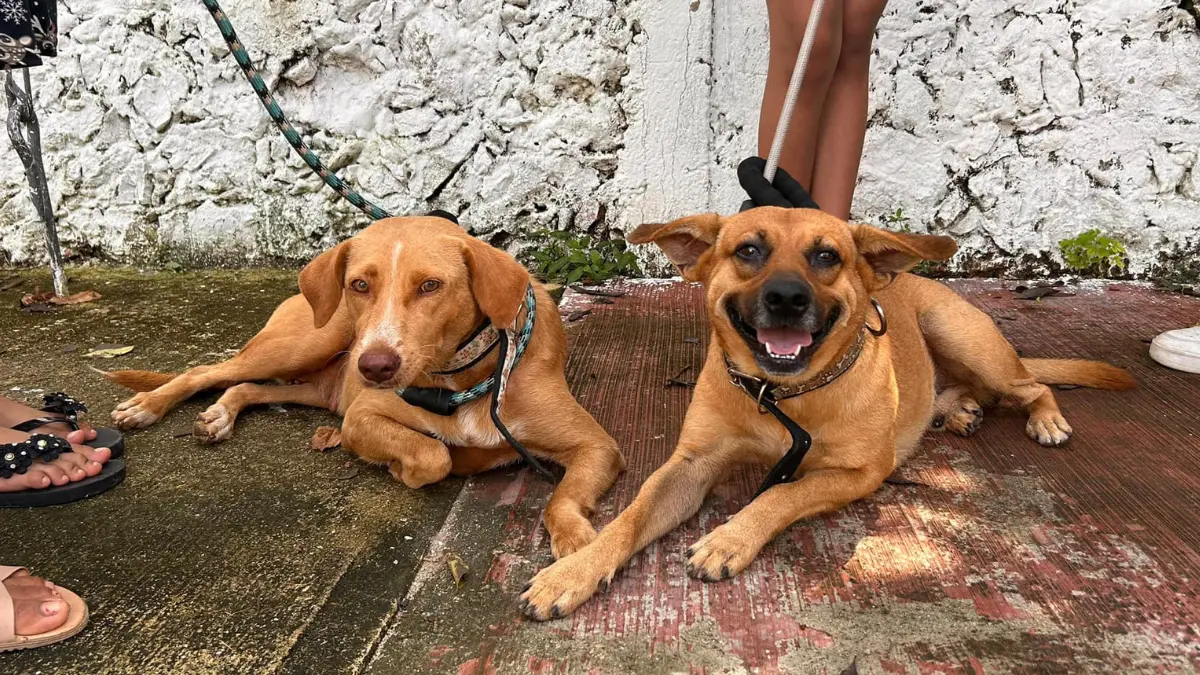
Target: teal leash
289,132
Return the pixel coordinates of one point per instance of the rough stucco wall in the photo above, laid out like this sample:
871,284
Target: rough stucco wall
1011,124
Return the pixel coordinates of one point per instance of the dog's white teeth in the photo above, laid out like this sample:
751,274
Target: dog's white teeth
797,352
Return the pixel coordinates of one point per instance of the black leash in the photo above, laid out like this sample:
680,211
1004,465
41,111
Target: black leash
785,469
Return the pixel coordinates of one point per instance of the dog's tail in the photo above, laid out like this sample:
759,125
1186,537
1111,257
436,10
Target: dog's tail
138,380
1094,374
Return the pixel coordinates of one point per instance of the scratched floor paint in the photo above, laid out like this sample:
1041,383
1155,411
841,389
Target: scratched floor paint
988,555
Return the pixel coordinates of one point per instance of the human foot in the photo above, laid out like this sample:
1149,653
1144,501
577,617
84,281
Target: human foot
35,612
69,467
13,413
38,606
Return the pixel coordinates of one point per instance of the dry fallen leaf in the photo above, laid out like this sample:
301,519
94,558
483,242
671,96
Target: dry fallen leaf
326,439
107,352
458,568
35,298
76,299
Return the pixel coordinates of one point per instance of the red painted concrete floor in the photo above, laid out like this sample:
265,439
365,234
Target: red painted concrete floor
985,555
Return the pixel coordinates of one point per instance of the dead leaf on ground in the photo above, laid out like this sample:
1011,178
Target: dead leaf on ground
350,473
577,315
10,283
458,568
76,299
39,308
108,352
326,439
37,297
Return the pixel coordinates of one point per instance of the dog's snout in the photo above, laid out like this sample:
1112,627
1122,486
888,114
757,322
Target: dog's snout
786,295
378,365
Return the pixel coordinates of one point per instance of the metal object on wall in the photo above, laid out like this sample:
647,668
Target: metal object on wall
27,141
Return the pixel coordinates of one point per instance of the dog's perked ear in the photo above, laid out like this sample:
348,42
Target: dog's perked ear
890,253
321,282
498,281
686,242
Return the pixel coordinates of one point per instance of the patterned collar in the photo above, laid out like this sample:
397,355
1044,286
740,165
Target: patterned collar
476,347
445,401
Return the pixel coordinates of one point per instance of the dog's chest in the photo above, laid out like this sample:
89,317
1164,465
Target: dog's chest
471,427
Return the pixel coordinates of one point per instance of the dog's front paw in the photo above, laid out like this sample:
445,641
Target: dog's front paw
1048,428
722,553
213,425
138,412
562,587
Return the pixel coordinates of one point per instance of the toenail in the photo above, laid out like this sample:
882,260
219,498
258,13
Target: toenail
555,612
51,608
725,571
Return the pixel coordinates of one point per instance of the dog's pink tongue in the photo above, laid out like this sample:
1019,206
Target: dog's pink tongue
784,340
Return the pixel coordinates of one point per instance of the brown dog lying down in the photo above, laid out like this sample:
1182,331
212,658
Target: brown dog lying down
389,309
788,296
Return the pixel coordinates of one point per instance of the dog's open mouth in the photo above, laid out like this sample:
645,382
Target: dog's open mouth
781,350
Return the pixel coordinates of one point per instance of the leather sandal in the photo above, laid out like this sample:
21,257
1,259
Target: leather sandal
77,618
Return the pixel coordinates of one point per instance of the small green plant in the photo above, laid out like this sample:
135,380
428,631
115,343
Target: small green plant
897,220
567,258
1093,251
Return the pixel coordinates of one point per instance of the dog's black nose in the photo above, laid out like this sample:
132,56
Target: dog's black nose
378,365
786,295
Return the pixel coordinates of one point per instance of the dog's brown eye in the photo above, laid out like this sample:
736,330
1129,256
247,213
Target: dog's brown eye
359,286
748,252
826,258
430,285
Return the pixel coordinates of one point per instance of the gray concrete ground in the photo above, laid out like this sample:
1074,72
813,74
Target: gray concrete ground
258,555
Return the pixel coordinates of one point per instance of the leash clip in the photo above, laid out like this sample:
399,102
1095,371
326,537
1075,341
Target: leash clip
739,378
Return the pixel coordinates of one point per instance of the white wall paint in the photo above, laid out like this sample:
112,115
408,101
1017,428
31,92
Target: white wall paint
1009,123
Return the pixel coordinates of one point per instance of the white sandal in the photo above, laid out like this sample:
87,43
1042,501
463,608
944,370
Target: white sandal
77,618
1178,349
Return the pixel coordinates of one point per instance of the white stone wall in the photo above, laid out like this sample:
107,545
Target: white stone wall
1009,123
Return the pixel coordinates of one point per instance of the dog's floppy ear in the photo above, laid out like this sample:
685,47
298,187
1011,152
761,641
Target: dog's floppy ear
321,282
890,253
686,242
498,281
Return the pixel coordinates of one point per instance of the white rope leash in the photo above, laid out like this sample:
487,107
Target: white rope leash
793,92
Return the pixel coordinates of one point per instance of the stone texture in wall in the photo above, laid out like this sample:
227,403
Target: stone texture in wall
1008,123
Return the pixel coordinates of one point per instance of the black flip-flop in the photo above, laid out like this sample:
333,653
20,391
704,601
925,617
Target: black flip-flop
66,411
16,458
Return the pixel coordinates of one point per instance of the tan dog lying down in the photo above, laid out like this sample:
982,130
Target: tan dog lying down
388,309
788,296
